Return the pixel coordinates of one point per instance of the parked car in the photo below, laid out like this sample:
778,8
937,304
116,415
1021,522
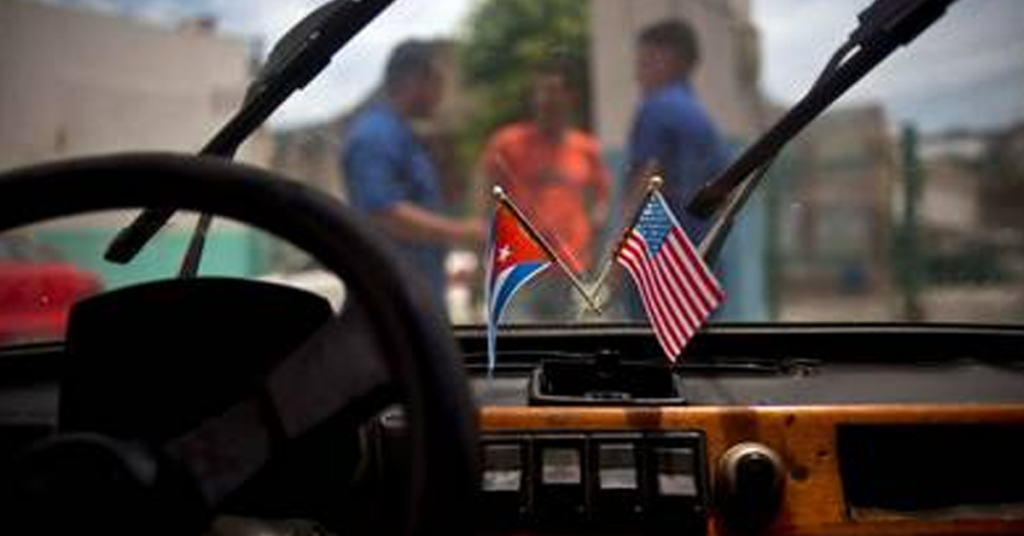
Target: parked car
37,290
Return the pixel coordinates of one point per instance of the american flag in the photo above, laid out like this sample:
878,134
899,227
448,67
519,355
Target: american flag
678,290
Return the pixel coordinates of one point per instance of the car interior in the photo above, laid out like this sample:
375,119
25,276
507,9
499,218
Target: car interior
211,404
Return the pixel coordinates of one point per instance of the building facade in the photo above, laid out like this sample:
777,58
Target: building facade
78,82
835,208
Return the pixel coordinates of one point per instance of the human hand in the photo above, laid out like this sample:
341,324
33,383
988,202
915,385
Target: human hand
472,232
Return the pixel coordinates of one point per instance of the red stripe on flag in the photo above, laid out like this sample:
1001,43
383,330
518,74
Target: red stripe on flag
682,294
635,251
668,285
676,291
665,323
700,268
696,291
651,312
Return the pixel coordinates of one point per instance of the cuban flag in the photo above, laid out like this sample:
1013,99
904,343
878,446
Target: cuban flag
514,259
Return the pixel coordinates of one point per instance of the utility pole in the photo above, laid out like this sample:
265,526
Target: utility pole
908,249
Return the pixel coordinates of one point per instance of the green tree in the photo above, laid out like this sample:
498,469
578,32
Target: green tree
505,39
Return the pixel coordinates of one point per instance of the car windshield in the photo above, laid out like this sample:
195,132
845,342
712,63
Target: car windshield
900,203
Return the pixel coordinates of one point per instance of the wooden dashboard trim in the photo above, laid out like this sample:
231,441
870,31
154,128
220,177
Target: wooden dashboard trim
804,436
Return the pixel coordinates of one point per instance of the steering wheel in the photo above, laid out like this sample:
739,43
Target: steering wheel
412,336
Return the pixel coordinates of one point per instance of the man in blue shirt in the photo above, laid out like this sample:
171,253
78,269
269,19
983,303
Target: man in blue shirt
672,133
389,174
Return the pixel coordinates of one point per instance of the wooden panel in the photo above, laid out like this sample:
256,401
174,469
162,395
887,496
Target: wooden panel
803,436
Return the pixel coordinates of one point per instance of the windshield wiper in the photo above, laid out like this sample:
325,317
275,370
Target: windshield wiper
884,26
296,59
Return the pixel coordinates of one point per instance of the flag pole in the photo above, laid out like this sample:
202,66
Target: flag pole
653,185
504,199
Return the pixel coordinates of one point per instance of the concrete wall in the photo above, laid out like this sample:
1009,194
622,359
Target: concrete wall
726,80
837,209
951,198
76,82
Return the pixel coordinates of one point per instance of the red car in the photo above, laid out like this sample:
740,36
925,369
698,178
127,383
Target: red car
37,290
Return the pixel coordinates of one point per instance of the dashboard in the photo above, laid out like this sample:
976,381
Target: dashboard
783,429
828,430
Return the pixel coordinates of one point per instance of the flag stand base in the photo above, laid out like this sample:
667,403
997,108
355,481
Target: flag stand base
604,380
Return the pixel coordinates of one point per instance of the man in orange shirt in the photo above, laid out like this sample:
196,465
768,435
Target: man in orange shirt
555,174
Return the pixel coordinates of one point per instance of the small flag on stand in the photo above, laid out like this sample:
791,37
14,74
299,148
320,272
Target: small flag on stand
516,254
514,258
678,290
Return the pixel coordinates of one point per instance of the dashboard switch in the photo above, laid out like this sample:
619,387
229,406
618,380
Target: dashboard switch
676,483
618,499
504,481
503,468
676,472
617,468
561,479
561,466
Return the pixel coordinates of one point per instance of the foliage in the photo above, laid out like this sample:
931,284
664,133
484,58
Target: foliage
505,39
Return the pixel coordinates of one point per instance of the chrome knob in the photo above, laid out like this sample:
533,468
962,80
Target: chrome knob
749,486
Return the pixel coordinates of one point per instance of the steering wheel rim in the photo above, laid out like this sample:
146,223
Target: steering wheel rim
418,348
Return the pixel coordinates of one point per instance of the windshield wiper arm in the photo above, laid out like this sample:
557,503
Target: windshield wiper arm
295,60
884,26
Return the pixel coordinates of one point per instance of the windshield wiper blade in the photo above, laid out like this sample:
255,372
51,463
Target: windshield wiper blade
884,26
295,60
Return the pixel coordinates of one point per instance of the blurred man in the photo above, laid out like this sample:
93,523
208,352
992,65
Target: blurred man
389,174
555,174
672,133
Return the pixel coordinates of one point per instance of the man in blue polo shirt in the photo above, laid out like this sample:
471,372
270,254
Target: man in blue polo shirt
389,174
672,133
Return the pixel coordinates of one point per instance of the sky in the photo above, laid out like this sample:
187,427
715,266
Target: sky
966,70
974,55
